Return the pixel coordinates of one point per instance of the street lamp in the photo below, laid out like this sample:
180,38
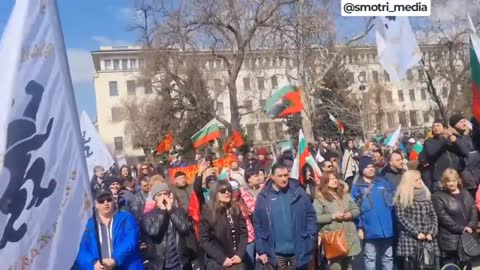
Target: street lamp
361,79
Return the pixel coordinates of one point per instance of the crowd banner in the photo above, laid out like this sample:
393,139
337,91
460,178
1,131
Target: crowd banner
44,192
192,170
96,152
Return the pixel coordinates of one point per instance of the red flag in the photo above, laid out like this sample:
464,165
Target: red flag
235,141
165,145
194,212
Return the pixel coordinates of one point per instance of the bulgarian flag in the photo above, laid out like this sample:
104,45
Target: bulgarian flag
392,139
165,145
337,123
209,132
303,158
416,150
475,66
284,102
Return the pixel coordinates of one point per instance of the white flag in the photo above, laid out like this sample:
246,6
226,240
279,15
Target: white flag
397,46
45,198
392,139
95,151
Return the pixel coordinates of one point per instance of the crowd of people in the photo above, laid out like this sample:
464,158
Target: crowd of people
372,208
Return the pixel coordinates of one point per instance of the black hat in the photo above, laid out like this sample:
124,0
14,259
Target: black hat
103,192
454,119
438,120
112,179
250,172
179,173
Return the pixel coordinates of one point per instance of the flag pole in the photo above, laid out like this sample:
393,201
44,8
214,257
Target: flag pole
433,90
97,237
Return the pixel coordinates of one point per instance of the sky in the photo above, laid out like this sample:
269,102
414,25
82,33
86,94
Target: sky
87,25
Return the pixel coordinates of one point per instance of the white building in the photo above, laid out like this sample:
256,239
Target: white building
117,70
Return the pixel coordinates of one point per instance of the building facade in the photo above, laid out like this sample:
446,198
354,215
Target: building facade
118,69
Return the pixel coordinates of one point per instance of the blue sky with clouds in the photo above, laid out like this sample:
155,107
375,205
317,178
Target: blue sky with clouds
87,24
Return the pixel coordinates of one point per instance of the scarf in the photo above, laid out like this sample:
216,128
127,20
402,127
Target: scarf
419,195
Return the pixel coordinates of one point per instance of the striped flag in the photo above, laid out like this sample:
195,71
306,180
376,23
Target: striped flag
303,158
337,122
208,133
475,66
416,150
392,139
284,102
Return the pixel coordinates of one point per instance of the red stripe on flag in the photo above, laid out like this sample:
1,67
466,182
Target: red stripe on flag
210,137
475,101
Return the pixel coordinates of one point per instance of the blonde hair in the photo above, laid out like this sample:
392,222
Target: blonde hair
449,174
154,180
405,190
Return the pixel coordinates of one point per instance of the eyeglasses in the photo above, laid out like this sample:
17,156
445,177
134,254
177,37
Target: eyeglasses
101,201
224,190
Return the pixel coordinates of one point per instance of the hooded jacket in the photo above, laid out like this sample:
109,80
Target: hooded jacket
376,204
304,223
125,237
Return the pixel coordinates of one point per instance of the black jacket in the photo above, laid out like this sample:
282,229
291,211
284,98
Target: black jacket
442,154
451,219
392,175
216,238
158,226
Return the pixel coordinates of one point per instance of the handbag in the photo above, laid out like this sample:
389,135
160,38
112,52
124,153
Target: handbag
335,244
471,244
425,255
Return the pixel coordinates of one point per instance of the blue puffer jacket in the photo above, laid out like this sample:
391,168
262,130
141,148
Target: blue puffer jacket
126,252
304,223
377,208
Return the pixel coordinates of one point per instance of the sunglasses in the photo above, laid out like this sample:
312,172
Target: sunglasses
101,201
224,190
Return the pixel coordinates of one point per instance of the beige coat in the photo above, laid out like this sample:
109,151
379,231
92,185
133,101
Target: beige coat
325,209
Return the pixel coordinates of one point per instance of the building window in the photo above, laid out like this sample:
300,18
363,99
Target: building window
274,82
413,118
108,64
364,75
117,114
444,92
402,117
391,119
388,94
409,75
113,88
141,63
375,76
411,93
131,88
387,76
423,93
426,117
279,134
133,63
124,64
251,131
147,84
260,83
116,64
246,83
220,109
118,141
400,96
263,104
420,74
248,105
264,130
217,83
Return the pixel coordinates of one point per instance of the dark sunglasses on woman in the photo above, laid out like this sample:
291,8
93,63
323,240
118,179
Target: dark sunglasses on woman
224,190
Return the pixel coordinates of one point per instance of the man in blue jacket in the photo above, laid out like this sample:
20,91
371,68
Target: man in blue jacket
285,222
374,196
118,236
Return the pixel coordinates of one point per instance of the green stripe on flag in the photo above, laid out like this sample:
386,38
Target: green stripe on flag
475,66
277,96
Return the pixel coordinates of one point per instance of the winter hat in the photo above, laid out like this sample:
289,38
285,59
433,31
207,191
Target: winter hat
454,119
103,192
179,173
112,179
262,151
159,188
411,140
364,162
